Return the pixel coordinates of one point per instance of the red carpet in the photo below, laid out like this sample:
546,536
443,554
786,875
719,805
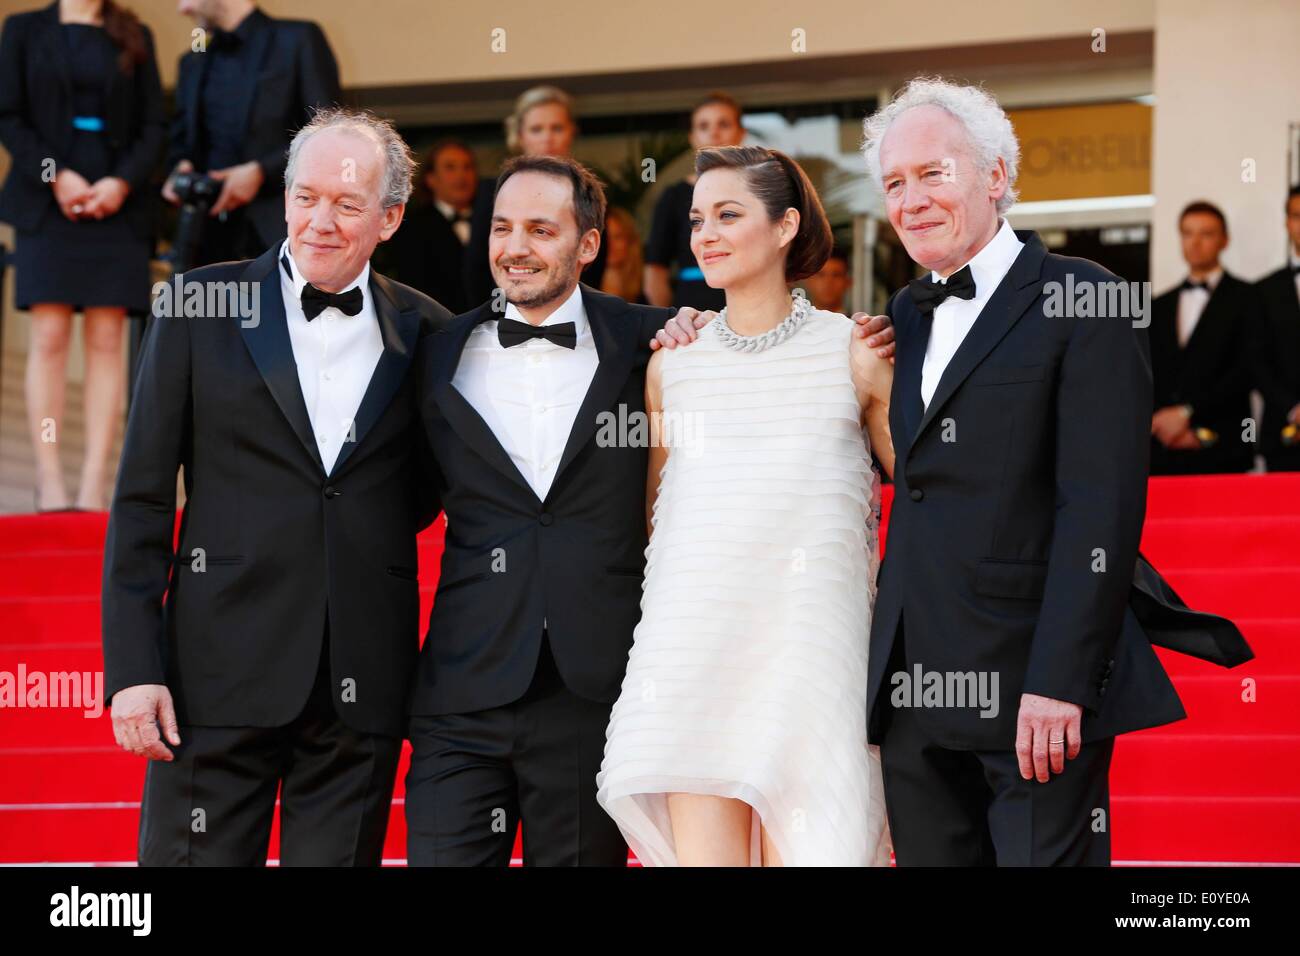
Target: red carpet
1222,786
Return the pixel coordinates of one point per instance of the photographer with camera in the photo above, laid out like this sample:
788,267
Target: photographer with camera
239,100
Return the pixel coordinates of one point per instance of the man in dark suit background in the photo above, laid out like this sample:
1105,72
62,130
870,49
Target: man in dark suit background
281,657
238,101
428,252
1277,362
1202,340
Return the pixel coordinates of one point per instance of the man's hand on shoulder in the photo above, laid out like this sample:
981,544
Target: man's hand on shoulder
878,330
682,329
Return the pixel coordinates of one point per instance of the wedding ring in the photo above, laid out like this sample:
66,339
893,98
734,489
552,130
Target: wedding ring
1052,741
76,207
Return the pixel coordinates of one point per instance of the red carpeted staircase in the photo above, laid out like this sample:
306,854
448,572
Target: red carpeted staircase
1222,786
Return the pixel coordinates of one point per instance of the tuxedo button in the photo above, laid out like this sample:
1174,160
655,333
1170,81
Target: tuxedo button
916,494
332,492
546,519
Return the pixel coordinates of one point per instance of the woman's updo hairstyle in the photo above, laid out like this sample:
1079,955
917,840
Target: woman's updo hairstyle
779,184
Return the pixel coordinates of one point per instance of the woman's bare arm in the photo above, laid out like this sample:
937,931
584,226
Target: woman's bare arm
658,451
873,379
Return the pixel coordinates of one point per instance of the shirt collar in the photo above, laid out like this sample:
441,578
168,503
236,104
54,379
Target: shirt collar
449,212
991,263
298,282
570,310
1212,280
1293,258
249,24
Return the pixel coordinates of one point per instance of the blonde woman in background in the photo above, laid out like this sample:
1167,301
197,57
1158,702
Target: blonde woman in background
625,257
544,122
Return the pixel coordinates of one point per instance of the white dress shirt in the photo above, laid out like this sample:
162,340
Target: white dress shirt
459,226
529,394
336,355
1191,304
953,318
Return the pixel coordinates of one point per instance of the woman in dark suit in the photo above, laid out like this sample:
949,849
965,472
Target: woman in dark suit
81,116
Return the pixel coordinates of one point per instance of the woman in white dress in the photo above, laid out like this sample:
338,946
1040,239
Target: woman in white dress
739,737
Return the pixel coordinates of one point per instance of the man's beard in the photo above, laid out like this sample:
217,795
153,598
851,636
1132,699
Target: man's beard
558,285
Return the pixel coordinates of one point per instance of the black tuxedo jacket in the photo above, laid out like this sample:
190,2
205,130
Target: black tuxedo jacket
1212,373
994,535
426,254
296,73
36,110
513,563
1277,365
286,545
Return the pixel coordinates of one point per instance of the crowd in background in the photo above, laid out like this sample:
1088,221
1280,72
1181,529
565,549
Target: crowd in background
82,116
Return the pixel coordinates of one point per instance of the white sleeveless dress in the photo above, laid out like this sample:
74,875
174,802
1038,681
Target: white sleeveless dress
747,676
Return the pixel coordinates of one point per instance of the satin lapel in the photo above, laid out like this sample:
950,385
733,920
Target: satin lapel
56,51
460,414
191,91
1288,332
907,383
615,335
1191,358
268,343
1019,289
400,330
259,44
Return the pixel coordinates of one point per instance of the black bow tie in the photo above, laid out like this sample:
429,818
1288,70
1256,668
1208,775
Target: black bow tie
1191,284
316,301
928,294
510,333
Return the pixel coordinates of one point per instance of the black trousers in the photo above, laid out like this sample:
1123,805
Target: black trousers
474,777
972,808
213,805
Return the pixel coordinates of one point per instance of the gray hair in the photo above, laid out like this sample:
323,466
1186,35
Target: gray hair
988,130
399,162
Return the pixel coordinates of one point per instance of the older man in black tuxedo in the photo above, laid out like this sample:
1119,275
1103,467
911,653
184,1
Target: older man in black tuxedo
1021,434
279,661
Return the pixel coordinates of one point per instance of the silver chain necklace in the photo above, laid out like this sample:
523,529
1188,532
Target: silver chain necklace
775,336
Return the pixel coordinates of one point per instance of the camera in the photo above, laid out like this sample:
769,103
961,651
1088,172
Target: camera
197,192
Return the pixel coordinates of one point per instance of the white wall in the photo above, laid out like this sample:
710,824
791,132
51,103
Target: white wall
440,41
1227,83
